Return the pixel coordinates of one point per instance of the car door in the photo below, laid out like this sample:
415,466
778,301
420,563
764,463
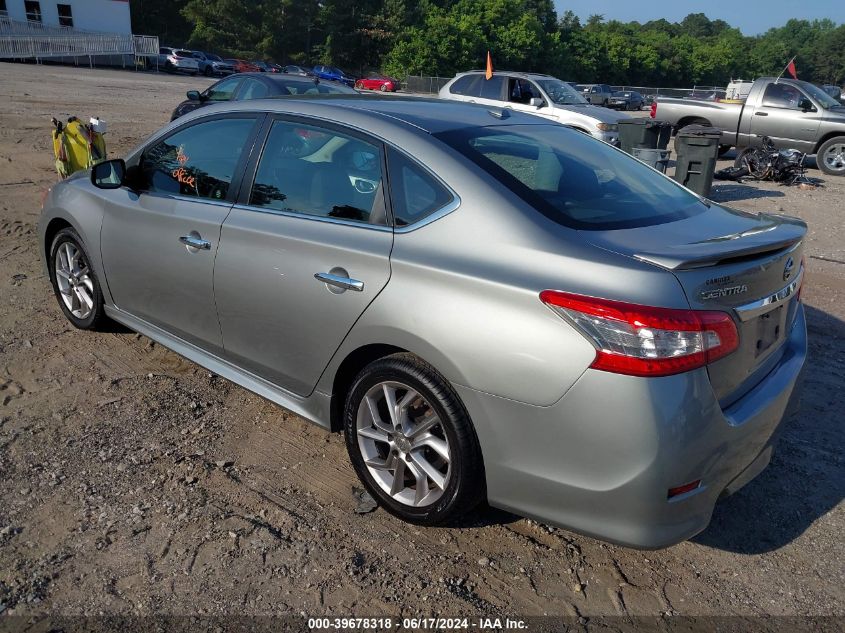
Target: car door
781,117
158,243
304,252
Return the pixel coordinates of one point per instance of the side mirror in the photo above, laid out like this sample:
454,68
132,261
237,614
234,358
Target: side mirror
537,102
110,174
193,95
806,105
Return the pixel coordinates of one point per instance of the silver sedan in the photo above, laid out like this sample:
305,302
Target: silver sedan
489,305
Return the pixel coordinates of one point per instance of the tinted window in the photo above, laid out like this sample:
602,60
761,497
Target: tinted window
467,85
197,161
574,179
296,87
252,89
222,91
781,96
492,88
319,172
415,193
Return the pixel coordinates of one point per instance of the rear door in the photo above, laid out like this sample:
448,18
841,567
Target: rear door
304,252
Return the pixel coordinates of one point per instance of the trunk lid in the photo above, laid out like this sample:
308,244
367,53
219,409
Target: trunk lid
749,265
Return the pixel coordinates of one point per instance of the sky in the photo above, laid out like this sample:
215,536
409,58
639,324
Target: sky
750,16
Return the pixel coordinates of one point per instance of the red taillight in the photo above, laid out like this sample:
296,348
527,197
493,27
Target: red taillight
653,114
642,340
674,492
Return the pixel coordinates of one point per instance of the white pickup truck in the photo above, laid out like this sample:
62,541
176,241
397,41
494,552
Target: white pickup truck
794,114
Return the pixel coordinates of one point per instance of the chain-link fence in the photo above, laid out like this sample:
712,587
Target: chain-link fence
432,85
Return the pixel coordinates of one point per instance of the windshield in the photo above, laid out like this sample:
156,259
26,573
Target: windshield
560,92
574,179
824,99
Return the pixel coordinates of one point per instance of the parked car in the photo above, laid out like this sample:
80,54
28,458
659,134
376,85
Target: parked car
210,65
333,74
597,94
542,95
793,113
376,81
540,319
244,86
265,67
292,69
626,100
177,60
243,66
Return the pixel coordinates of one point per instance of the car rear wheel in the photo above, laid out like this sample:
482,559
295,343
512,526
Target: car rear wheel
411,441
383,87
208,71
831,156
75,283
724,149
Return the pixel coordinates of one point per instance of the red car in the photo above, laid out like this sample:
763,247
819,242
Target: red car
374,81
243,66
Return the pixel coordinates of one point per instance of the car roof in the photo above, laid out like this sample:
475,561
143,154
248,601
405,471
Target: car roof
513,73
427,114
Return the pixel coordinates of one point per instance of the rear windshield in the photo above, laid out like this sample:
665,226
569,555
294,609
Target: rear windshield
184,54
573,178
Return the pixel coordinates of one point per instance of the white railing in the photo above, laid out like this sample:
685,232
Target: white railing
27,40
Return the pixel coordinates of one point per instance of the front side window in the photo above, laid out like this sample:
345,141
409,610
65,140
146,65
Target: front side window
415,193
222,91
782,96
252,89
33,11
65,15
197,161
561,92
573,179
319,172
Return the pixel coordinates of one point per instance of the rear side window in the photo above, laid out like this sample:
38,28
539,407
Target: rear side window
314,171
574,179
415,193
252,89
197,161
468,85
492,88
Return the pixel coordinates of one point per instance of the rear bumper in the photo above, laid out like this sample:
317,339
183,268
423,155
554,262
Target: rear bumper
601,460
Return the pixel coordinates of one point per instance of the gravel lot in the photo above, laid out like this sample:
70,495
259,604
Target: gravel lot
135,483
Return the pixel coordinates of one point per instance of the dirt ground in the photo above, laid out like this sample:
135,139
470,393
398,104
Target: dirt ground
136,483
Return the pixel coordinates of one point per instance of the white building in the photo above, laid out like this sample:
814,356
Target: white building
106,16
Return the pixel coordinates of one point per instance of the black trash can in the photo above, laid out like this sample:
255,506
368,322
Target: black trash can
696,150
643,133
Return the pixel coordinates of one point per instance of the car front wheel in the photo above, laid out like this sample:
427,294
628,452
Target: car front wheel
74,281
831,156
411,441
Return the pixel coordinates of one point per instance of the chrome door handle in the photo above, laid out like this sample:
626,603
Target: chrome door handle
762,113
341,282
195,242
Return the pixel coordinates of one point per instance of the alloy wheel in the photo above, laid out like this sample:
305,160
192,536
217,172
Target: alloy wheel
403,444
74,281
834,157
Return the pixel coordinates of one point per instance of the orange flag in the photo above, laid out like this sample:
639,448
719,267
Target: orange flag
489,73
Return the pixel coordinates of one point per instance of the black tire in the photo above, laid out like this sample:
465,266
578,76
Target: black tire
208,71
830,170
97,318
724,149
465,487
739,161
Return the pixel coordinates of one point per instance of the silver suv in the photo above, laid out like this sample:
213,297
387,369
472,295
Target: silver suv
542,95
